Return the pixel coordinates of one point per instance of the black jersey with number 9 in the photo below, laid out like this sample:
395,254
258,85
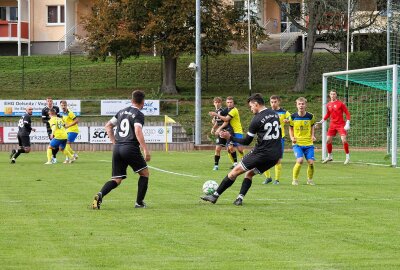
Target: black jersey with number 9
267,127
125,121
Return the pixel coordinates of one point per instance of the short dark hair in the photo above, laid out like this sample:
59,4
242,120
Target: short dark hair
52,111
257,97
275,97
138,96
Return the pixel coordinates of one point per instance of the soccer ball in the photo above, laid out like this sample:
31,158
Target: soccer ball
209,187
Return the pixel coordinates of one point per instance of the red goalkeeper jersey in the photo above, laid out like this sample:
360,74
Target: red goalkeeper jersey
335,110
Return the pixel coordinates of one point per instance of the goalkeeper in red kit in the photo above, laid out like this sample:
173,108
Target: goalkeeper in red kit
335,111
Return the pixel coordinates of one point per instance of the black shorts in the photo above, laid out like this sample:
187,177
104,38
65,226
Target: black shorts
258,162
220,141
124,155
24,140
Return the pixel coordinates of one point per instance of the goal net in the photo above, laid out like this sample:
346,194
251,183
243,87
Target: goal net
371,95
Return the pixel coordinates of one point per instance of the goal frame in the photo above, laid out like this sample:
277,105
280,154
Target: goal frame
394,113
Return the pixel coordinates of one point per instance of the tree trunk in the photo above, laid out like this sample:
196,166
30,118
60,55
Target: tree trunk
305,63
169,76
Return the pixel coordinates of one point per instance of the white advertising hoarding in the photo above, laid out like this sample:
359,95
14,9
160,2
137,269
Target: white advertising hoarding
17,107
111,107
40,135
152,134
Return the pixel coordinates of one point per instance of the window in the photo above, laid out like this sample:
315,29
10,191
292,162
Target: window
13,14
3,12
55,14
9,13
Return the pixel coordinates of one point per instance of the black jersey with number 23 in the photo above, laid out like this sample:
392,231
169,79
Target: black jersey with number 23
267,127
125,124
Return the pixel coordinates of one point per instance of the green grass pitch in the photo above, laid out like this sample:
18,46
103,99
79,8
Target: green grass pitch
349,220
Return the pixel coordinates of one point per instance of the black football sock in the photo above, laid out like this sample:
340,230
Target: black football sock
19,152
246,184
54,151
108,186
234,156
142,189
225,184
216,160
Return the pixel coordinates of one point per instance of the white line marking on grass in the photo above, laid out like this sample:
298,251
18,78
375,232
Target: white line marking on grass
367,163
331,199
165,171
181,174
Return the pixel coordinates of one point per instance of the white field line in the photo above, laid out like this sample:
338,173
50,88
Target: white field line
164,171
282,200
366,163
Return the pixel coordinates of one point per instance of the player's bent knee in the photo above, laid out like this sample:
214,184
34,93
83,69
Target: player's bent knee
27,149
144,173
300,160
117,180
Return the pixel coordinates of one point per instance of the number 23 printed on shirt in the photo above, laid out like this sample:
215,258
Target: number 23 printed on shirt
272,131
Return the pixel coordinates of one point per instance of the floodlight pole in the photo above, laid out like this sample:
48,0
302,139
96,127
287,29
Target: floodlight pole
348,41
249,44
197,132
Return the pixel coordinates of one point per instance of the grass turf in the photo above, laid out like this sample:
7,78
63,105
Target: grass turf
349,220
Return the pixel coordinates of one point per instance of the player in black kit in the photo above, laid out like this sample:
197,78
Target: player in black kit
268,150
127,141
45,120
217,124
24,129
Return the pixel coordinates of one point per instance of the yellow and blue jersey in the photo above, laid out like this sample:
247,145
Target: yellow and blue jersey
69,117
235,120
302,128
57,127
283,114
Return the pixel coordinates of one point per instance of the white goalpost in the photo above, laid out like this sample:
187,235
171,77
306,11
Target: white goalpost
372,97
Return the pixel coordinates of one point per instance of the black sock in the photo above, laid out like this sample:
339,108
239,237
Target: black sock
54,151
142,189
216,159
19,152
108,186
225,184
246,184
234,156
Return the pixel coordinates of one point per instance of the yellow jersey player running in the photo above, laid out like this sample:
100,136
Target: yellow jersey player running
71,124
284,115
58,137
302,135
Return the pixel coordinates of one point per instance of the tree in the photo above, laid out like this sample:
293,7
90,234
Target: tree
130,27
327,20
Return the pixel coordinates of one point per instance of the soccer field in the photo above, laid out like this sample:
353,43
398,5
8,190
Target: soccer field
349,220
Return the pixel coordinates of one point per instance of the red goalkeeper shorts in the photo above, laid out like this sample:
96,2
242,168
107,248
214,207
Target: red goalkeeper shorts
333,129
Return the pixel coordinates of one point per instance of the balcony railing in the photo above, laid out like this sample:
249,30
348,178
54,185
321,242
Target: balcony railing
9,30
